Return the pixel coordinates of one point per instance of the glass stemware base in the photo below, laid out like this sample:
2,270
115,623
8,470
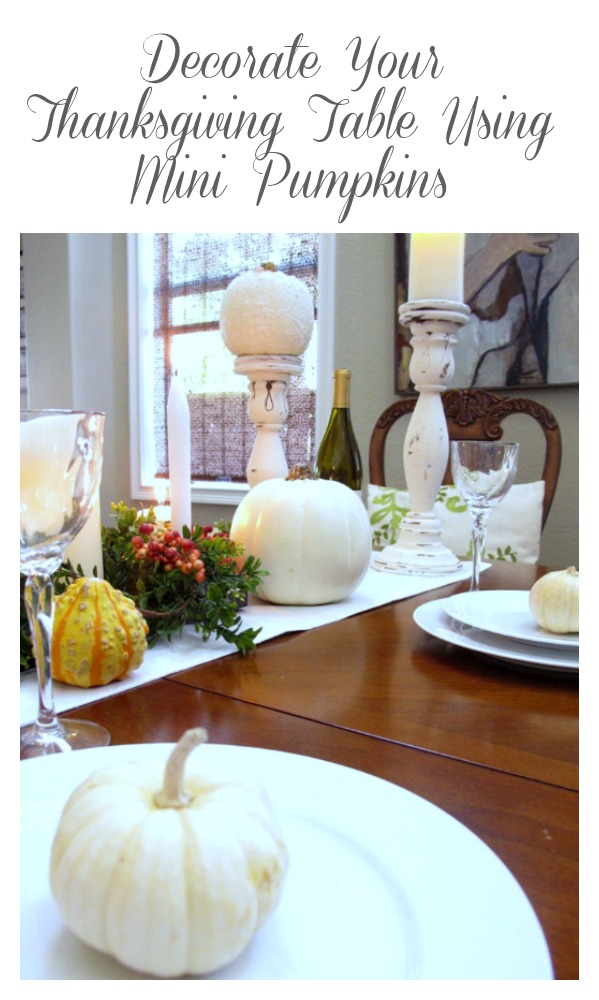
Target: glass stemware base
69,734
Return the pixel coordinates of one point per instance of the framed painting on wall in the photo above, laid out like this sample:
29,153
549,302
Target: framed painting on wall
522,289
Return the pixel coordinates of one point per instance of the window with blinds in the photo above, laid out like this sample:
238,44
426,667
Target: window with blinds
189,275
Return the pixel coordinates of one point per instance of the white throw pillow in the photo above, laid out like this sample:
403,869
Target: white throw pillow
513,535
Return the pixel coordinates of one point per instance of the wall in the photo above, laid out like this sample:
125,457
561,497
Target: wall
76,302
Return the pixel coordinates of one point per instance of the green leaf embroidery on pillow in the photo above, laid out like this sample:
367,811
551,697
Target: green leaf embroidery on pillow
388,517
506,554
455,505
379,538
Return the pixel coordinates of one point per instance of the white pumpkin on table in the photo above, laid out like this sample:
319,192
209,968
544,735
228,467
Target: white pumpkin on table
312,536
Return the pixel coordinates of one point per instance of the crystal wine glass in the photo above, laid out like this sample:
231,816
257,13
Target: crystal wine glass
483,472
61,462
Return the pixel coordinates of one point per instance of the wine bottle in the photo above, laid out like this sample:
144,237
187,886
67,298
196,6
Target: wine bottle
338,456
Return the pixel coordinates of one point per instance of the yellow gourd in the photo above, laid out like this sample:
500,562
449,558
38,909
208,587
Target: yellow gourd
169,870
98,635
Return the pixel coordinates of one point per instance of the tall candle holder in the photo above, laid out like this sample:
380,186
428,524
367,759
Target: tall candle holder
419,550
266,319
268,376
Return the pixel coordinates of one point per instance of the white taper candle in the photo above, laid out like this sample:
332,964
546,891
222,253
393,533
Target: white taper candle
179,454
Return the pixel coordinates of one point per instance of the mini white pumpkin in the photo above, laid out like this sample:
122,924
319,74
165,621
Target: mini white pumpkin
168,880
554,601
312,536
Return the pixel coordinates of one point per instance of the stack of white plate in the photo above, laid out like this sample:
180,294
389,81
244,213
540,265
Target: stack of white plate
498,623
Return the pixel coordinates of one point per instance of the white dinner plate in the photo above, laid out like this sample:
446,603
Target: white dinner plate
505,612
382,884
433,618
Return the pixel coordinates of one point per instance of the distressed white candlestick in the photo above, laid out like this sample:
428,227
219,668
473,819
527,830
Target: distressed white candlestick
268,376
179,454
419,548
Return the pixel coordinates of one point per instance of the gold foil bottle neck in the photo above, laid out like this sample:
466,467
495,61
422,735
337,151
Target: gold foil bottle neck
341,385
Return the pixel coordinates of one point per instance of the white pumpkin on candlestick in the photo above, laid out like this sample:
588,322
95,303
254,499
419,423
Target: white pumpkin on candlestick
266,319
267,312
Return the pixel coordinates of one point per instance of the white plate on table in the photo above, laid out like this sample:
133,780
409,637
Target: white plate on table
433,618
381,885
506,613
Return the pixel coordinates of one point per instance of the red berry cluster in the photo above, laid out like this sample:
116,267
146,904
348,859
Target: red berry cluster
161,545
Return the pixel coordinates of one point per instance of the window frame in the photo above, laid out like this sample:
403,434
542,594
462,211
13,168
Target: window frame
141,335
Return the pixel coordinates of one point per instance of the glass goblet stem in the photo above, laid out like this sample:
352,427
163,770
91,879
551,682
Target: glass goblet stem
479,533
39,599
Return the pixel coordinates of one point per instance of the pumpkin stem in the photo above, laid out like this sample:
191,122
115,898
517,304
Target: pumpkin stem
172,794
301,472
267,266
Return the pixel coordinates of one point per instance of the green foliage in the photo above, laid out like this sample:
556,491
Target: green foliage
27,660
171,600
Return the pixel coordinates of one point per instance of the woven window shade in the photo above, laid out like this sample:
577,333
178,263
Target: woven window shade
191,274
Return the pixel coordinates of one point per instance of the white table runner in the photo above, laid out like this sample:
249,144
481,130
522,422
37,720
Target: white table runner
190,650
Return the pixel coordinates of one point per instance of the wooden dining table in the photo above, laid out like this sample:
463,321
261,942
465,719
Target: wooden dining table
493,744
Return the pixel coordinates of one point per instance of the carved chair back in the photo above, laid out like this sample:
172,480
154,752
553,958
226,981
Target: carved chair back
476,415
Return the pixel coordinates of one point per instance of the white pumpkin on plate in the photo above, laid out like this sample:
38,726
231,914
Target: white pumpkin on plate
554,601
171,876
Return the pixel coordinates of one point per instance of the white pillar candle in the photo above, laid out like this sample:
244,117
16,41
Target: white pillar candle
179,454
86,548
436,266
46,487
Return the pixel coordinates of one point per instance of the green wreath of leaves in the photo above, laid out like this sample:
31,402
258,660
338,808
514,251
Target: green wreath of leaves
170,601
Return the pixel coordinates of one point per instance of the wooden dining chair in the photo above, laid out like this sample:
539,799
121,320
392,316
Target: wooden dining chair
475,414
